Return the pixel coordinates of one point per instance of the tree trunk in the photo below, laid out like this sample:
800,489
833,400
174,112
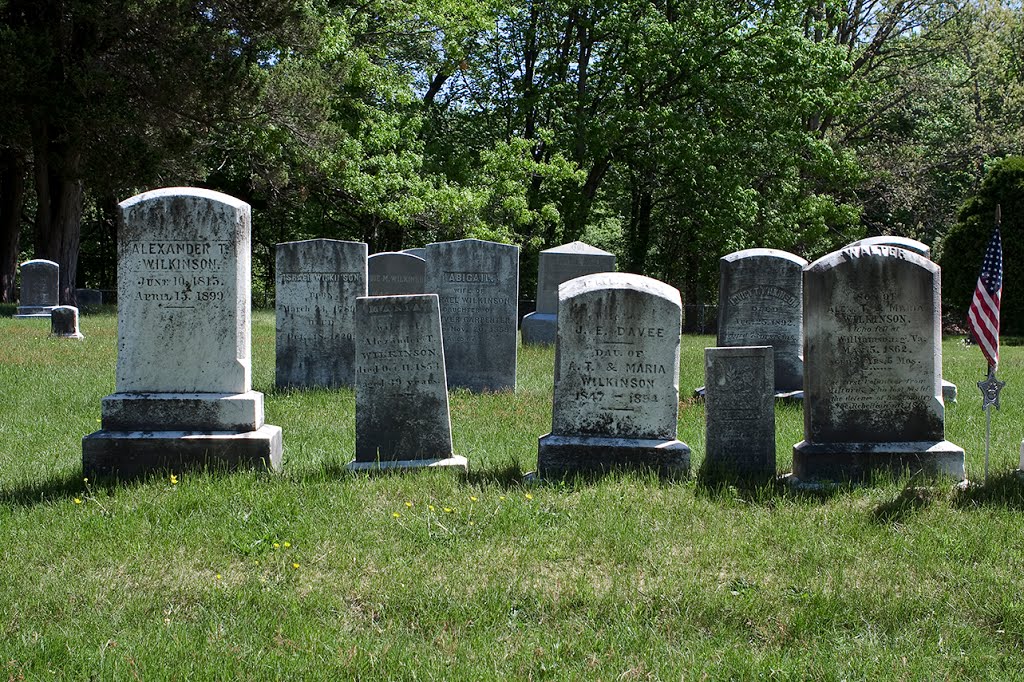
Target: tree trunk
639,230
12,198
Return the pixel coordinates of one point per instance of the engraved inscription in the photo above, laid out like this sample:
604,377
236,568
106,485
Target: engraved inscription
177,274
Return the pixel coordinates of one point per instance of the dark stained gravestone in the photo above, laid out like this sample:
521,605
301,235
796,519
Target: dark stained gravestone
64,322
402,418
555,266
739,412
318,282
760,304
184,379
872,364
395,274
40,288
477,283
616,396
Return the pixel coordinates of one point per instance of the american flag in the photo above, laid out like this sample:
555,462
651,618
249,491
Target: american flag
983,317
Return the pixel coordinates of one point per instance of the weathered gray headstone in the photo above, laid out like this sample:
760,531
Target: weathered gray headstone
739,411
89,298
872,364
40,288
396,274
760,304
616,395
419,252
477,283
184,380
318,281
402,418
917,247
64,322
555,266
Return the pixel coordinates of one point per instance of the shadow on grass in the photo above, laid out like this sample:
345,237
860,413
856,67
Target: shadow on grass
908,502
1005,489
40,492
8,309
764,490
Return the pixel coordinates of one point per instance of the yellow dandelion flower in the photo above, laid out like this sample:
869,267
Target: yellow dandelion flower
529,496
295,565
408,505
472,498
448,510
472,523
395,514
277,545
501,497
174,480
78,500
287,544
218,576
430,507
86,479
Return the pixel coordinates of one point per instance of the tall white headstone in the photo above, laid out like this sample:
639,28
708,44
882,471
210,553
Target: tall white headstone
184,380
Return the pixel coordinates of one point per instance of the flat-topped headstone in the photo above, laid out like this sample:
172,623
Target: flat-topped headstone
616,394
739,412
419,252
395,274
402,418
760,304
872,364
555,266
40,288
184,383
64,322
477,283
917,247
318,282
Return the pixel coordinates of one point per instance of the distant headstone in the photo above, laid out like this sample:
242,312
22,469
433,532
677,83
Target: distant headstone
184,380
402,418
616,395
555,266
89,299
40,288
395,274
64,322
477,283
419,252
739,411
917,247
872,364
760,304
318,281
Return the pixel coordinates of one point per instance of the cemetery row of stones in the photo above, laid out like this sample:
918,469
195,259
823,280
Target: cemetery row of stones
855,334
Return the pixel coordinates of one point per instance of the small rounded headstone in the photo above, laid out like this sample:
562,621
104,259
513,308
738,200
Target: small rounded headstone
64,322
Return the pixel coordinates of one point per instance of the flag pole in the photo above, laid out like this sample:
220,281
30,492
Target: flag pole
983,320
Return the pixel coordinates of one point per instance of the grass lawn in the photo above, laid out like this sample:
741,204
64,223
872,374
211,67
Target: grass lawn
319,574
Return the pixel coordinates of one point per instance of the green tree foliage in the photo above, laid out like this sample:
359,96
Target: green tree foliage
963,249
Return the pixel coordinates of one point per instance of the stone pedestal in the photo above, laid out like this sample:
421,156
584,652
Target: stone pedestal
568,455
184,389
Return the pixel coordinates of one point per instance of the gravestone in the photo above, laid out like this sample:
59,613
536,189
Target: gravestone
917,247
616,391
760,304
318,281
872,364
555,266
64,322
419,252
402,418
89,299
184,379
395,274
739,411
40,288
477,283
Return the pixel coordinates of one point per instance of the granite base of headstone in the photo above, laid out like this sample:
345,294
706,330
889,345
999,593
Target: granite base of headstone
64,322
739,413
873,358
40,289
616,394
555,266
184,395
402,417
